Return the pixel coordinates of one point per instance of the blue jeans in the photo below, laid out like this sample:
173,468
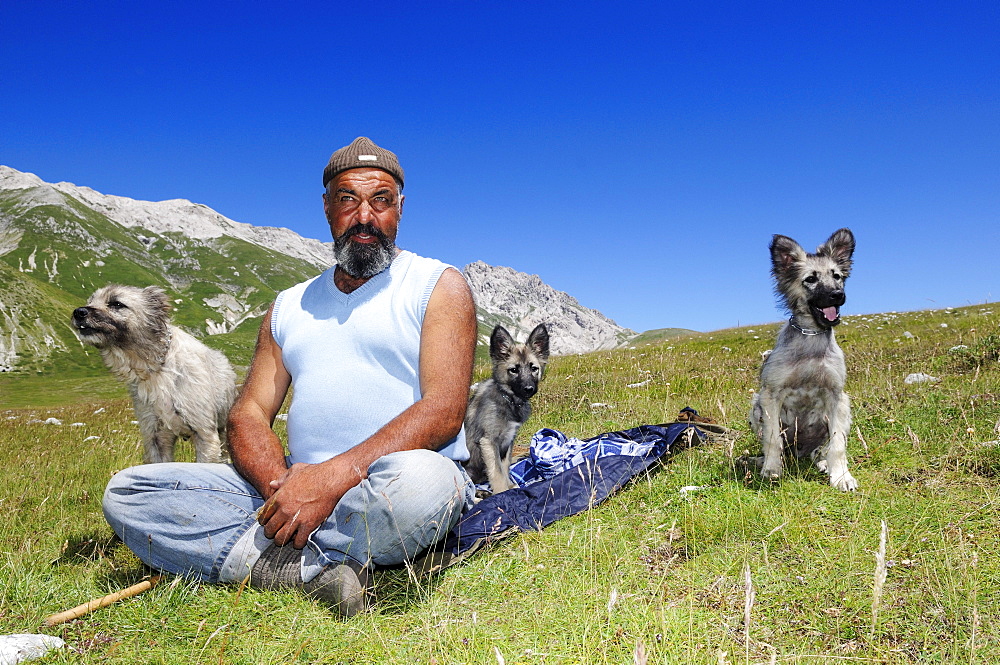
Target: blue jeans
200,520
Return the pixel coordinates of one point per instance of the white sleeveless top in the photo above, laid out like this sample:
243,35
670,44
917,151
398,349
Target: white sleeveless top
354,358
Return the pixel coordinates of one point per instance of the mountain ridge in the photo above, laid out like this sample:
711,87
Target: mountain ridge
60,242
573,328
195,220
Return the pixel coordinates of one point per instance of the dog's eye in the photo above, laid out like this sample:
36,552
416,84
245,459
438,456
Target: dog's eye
512,370
534,369
837,276
114,304
811,279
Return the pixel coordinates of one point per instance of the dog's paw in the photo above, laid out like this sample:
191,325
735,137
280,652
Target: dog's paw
771,472
844,482
754,462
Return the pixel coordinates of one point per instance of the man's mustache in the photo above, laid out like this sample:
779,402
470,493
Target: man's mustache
367,229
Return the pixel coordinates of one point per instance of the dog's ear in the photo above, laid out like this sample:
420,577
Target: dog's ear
157,299
785,253
501,344
538,340
839,247
159,310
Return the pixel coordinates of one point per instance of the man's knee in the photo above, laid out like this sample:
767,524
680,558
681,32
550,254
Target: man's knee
131,481
412,499
121,485
416,485
423,471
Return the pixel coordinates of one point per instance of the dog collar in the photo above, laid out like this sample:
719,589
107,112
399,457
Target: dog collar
162,360
804,331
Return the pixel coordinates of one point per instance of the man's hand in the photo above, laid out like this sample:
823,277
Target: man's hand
304,497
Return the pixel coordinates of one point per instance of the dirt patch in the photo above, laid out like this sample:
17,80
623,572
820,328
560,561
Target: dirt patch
662,558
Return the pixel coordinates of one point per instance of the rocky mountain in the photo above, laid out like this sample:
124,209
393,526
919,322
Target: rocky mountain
519,302
59,242
193,220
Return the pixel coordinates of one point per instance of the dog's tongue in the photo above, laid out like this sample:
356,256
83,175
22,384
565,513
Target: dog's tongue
830,313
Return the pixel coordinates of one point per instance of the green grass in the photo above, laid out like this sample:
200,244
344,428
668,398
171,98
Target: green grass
659,335
652,569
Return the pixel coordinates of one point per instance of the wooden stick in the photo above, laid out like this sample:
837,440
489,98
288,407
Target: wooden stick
98,603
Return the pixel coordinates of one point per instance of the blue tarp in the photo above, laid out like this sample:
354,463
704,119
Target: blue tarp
601,471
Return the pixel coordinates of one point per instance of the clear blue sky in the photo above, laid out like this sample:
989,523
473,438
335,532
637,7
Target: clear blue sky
638,156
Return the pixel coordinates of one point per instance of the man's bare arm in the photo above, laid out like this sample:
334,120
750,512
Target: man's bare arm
447,349
308,493
257,451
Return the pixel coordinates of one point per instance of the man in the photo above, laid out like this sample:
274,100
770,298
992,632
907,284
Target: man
379,352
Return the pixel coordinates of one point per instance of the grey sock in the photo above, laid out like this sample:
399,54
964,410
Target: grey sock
277,568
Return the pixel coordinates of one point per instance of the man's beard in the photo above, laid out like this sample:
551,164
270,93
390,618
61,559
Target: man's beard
363,261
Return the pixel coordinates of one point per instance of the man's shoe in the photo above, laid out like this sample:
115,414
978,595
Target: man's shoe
342,586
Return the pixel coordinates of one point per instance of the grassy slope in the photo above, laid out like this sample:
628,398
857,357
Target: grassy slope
659,335
653,566
77,239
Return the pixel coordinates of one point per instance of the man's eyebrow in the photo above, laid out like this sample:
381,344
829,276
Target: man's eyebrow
344,190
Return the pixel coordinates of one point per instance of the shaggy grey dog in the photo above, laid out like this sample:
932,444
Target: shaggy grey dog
179,386
499,405
801,406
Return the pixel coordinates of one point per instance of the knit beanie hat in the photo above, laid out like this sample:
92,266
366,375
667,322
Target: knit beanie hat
362,153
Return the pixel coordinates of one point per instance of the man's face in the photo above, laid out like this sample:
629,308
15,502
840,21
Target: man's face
363,207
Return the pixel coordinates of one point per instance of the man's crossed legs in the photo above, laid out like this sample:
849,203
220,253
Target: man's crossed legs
200,520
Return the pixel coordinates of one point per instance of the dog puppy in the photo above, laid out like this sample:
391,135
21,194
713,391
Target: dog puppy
801,407
500,405
179,386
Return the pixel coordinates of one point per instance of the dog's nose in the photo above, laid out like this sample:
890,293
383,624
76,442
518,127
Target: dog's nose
80,313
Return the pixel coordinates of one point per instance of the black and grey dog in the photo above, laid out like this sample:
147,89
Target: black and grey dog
801,405
500,405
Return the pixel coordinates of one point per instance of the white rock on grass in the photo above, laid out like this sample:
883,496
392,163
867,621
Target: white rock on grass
52,421
920,377
21,647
